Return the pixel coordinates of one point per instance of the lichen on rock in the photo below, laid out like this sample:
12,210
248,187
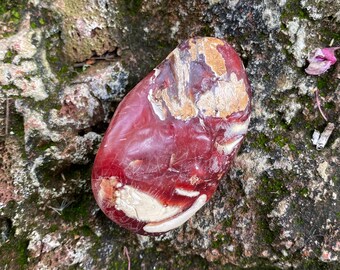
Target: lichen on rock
64,65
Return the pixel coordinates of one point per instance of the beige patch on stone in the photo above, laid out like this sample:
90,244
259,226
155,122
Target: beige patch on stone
228,97
208,47
207,104
195,49
182,107
107,188
213,57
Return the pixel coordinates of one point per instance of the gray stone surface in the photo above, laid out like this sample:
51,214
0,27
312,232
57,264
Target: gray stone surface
65,65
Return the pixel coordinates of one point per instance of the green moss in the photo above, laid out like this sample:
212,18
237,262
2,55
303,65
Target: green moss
221,239
306,101
14,253
84,230
15,15
163,253
33,25
63,70
280,140
8,87
329,31
264,267
267,78
206,31
78,210
329,105
261,141
118,265
271,123
53,228
299,221
292,147
10,208
40,18
322,83
9,57
238,251
228,222
292,9
41,21
133,6
16,125
284,125
22,252
55,57
315,264
274,185
11,11
272,188
267,234
33,198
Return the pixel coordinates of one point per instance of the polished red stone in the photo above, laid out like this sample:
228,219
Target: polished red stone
173,137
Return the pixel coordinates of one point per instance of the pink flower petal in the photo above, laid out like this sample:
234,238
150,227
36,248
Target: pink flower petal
330,54
317,68
320,60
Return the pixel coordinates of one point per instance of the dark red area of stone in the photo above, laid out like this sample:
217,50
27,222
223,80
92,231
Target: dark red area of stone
172,157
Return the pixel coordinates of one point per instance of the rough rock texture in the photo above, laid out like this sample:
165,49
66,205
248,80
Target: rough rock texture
64,65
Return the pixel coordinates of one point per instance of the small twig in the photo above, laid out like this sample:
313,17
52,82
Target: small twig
106,57
55,209
318,103
61,208
82,64
92,60
126,253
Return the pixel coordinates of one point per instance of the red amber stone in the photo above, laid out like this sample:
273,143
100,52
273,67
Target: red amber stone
173,137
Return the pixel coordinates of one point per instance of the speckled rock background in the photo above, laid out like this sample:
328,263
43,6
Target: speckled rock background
65,65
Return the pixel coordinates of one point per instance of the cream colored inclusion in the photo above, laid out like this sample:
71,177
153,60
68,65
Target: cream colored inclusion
178,220
228,97
224,99
236,131
141,206
228,148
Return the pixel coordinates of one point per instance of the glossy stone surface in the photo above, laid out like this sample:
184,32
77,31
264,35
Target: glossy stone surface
173,137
